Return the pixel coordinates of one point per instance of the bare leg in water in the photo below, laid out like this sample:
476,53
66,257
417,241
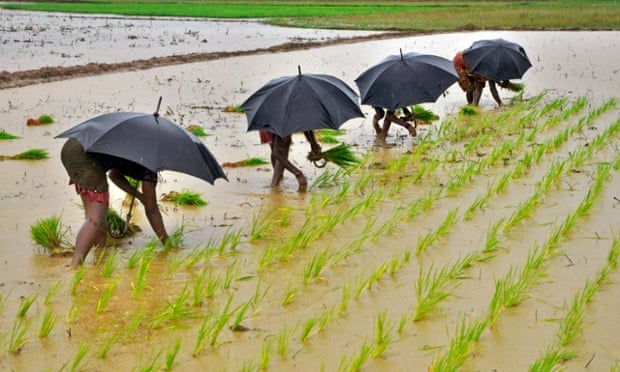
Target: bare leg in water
390,118
280,150
93,231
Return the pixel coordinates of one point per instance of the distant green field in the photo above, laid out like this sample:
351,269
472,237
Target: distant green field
379,15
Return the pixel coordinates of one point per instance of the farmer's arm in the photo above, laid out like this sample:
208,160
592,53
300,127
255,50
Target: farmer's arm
119,180
314,144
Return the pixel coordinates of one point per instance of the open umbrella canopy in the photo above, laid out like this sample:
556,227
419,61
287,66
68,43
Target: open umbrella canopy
149,140
497,59
301,102
406,79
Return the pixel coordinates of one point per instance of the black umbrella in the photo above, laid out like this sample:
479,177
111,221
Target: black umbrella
497,59
403,80
149,140
302,102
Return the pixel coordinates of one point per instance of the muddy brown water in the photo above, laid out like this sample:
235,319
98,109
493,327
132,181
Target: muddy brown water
566,64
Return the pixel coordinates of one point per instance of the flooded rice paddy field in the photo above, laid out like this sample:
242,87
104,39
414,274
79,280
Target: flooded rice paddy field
485,244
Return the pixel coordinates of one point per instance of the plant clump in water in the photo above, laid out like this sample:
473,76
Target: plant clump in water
184,197
32,154
251,162
50,234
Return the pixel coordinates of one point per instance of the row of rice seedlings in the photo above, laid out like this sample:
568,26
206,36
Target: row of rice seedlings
510,291
572,324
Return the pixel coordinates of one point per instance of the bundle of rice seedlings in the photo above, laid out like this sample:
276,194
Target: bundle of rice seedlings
51,235
7,136
423,115
515,87
197,130
340,155
46,119
118,227
470,110
32,154
235,109
329,135
251,162
184,197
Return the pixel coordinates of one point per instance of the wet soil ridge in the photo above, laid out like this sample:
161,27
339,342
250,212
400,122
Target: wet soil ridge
48,74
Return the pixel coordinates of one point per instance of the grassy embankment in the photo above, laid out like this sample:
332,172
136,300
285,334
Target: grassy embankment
423,16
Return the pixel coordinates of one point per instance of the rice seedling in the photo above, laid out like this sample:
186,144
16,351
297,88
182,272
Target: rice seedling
107,346
17,335
4,135
460,345
551,358
185,197
283,340
363,355
469,110
77,279
289,295
24,304
260,226
150,363
48,323
140,282
265,355
83,349
230,240
250,162
306,328
174,310
492,242
430,289
171,355
239,316
109,265
202,334
105,297
314,268
383,335
232,271
51,292
50,234
220,322
344,299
